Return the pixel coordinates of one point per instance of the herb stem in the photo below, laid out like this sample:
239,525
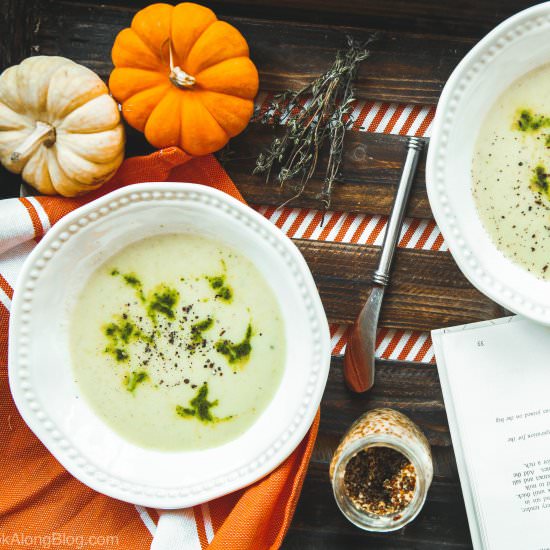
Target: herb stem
318,112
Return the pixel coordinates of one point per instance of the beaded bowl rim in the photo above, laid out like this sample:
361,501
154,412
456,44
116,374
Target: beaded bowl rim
73,459
492,284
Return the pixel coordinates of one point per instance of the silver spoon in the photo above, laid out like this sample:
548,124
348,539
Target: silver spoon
359,356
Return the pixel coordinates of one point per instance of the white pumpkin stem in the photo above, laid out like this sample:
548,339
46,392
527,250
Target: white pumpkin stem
43,133
178,76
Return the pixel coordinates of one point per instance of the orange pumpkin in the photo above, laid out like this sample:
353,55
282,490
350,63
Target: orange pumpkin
183,77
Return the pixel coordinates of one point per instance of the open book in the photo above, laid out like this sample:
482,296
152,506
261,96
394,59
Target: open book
495,378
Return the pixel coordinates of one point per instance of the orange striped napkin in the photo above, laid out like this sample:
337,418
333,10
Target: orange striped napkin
42,505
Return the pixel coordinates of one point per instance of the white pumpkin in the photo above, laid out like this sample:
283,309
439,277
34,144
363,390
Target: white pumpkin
59,127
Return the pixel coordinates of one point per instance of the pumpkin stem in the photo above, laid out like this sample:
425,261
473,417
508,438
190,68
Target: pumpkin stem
43,133
178,77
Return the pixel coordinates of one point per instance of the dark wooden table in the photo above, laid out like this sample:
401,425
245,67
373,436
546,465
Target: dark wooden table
291,41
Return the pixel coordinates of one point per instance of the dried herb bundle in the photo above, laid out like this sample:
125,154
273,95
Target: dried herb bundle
318,112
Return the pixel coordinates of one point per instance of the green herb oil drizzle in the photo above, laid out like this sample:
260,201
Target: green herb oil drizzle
200,408
540,181
223,291
527,121
162,300
198,328
120,333
236,352
132,380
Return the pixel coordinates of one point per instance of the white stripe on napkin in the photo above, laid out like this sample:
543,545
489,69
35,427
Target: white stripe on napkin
207,522
176,530
15,224
42,216
5,300
11,261
146,518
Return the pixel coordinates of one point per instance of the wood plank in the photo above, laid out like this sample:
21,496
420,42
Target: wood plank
413,16
403,67
319,525
418,16
370,170
413,389
427,290
17,23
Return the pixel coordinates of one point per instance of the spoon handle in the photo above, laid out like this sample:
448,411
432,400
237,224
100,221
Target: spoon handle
382,274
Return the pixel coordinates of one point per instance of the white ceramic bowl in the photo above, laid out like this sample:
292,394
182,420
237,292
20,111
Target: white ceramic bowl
40,371
512,49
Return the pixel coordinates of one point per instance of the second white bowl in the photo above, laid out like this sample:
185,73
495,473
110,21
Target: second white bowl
515,47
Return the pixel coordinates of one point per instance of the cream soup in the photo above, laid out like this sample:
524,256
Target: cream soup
511,172
177,342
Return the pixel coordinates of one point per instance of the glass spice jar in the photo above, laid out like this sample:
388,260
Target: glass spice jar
381,471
